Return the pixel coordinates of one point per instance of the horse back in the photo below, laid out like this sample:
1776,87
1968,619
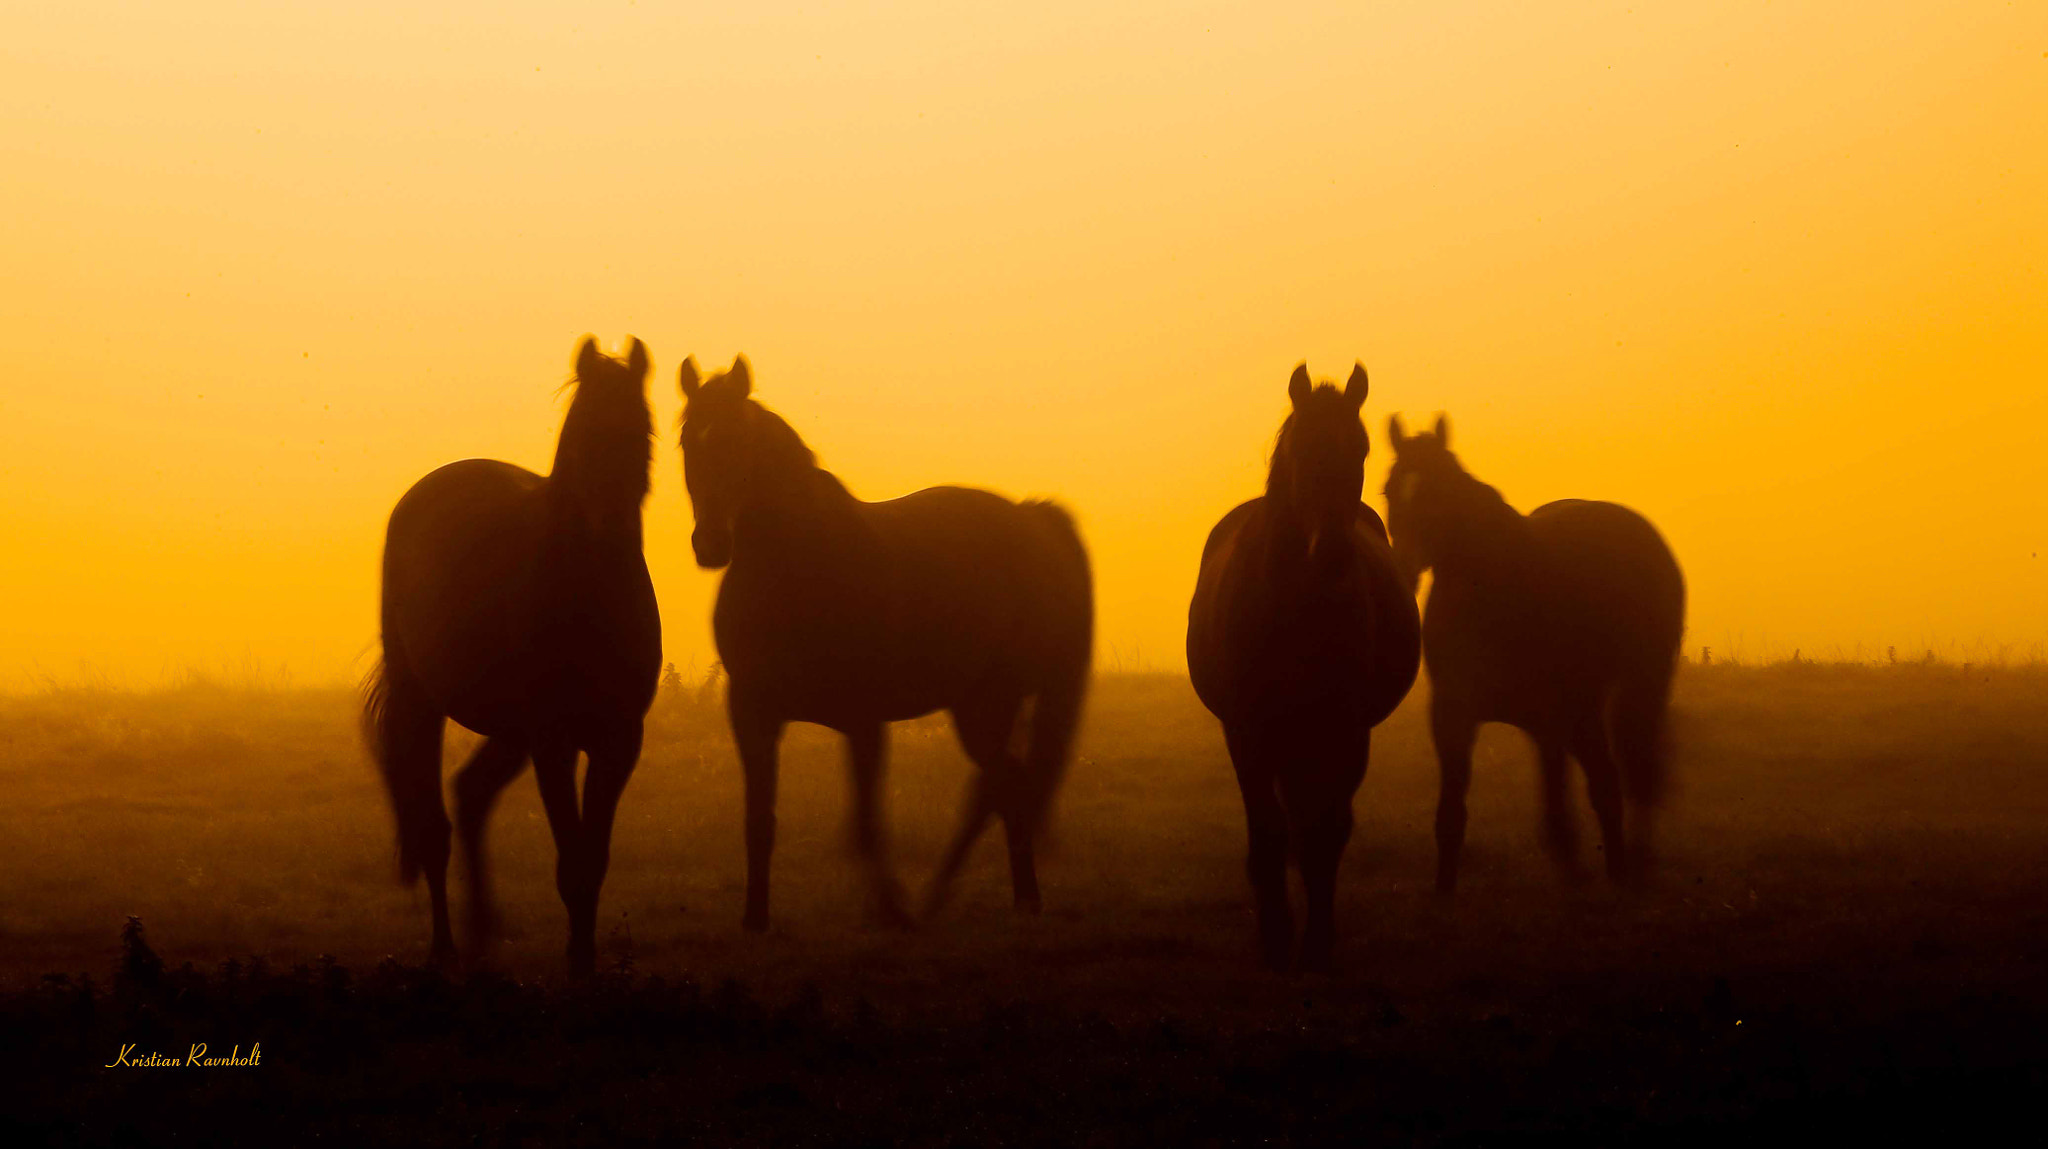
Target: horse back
979,578
895,609
1610,565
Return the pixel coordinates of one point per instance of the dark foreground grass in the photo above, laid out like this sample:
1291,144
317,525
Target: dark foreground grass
399,1055
1847,935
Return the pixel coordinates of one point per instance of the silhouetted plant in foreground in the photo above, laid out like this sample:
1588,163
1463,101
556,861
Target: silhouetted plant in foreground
140,967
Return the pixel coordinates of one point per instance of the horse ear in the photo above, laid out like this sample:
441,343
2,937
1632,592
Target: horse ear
588,357
636,359
741,375
1355,387
1396,434
1443,430
688,379
1298,385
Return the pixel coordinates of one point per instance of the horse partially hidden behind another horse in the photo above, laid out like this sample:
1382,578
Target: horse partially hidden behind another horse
1565,622
520,607
1302,638
852,615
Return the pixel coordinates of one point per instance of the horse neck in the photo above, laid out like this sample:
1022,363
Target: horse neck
793,506
1285,538
1287,523
598,483
1485,540
570,520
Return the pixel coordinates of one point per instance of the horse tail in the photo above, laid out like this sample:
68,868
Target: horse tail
1070,635
1641,735
402,735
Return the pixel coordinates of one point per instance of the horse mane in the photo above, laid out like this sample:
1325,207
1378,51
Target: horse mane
1486,494
1473,492
1282,457
778,444
1482,521
781,452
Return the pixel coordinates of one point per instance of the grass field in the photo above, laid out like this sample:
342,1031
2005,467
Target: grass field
1848,921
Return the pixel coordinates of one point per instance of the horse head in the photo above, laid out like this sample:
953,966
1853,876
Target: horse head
1421,487
1319,462
607,439
720,425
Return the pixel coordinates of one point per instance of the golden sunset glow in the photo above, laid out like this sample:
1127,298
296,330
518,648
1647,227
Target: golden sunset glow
1772,274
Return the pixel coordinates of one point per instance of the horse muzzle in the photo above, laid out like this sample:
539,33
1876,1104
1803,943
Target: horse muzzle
713,546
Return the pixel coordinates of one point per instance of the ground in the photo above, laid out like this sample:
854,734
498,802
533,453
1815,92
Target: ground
1847,925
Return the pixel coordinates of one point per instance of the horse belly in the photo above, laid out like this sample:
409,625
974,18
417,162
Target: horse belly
474,659
1495,663
840,684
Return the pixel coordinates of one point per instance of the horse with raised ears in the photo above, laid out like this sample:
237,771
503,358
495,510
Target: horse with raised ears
519,606
1565,622
853,615
1301,639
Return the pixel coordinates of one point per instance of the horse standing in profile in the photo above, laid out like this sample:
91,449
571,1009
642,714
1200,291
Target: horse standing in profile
520,607
1301,639
852,615
1565,622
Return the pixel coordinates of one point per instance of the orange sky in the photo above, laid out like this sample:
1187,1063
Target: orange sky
1773,274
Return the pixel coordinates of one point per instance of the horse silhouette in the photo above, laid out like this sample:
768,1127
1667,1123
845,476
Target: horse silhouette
1301,638
520,607
852,614
1565,622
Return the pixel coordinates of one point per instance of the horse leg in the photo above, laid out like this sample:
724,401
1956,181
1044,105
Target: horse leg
1603,785
477,785
554,768
985,730
867,755
1319,806
1639,725
974,817
1452,731
756,734
1023,863
409,733
1266,853
611,765
1560,835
